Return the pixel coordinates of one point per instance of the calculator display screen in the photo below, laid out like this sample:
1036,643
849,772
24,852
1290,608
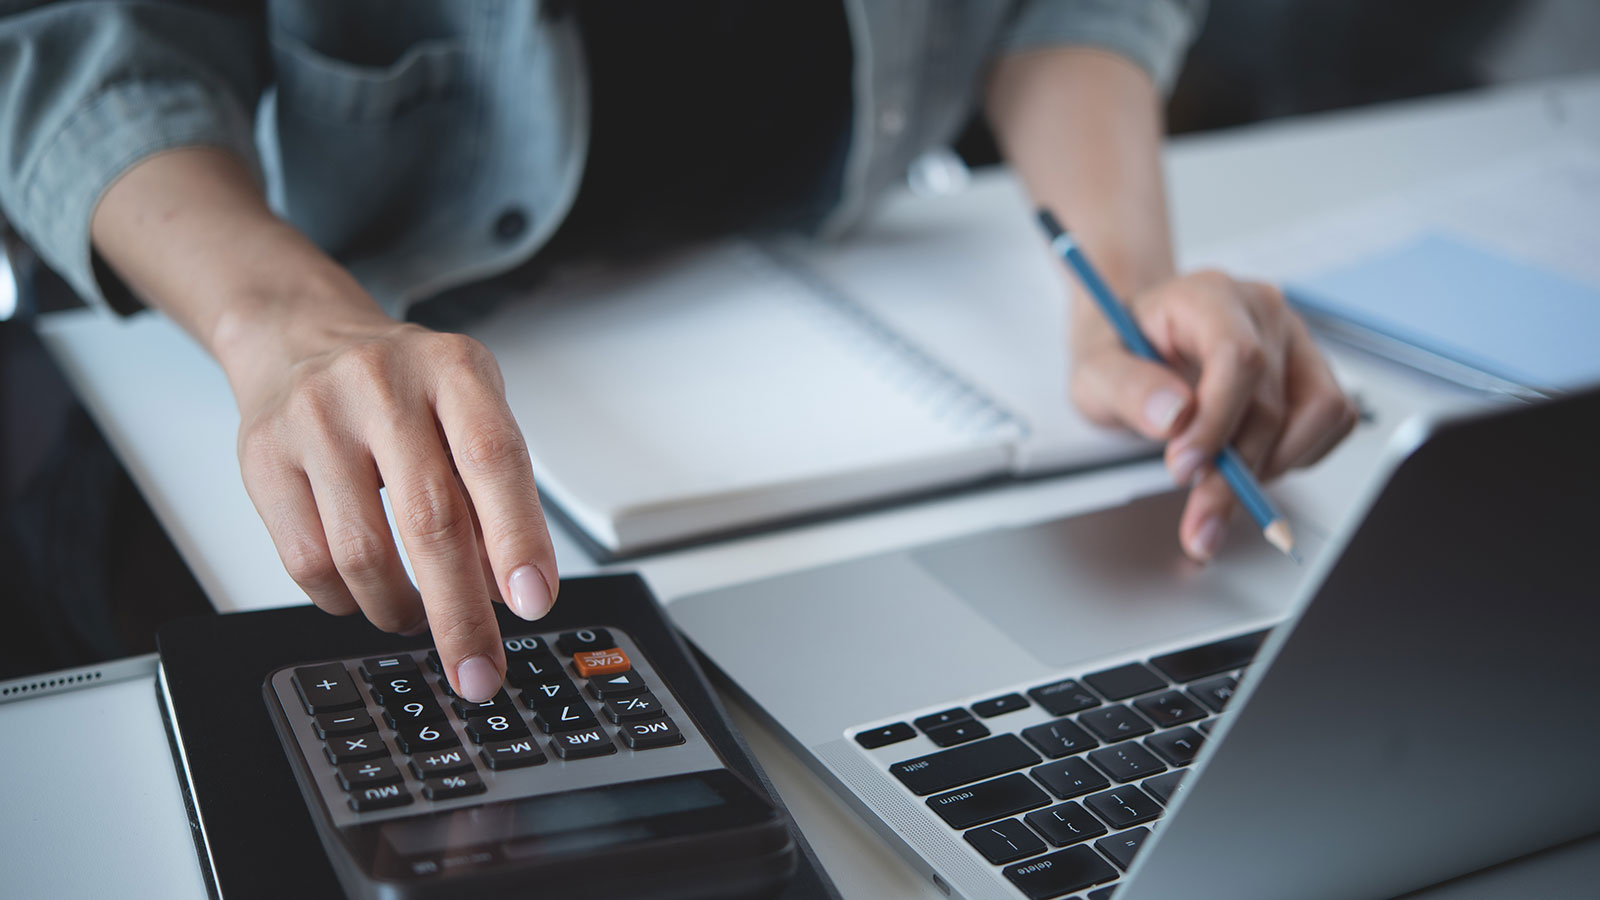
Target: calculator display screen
559,814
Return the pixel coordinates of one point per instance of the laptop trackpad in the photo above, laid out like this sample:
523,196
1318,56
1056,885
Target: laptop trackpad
1113,580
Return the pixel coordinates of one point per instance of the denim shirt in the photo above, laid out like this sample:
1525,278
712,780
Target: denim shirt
428,143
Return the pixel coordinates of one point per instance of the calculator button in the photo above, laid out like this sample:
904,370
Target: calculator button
551,692
958,733
649,735
883,737
580,744
495,727
422,738
336,723
512,754
326,688
988,709
939,719
523,671
436,664
575,642
499,704
380,666
366,774
393,690
525,646
354,748
447,786
633,709
1063,698
590,663
440,762
368,799
566,717
622,684
413,712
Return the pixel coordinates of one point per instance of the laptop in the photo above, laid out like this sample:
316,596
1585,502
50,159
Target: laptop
1070,708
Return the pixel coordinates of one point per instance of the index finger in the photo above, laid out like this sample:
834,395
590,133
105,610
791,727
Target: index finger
435,524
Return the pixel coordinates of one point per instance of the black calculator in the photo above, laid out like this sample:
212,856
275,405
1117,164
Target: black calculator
583,775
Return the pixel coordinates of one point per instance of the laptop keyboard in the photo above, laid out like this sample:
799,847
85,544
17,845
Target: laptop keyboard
1064,805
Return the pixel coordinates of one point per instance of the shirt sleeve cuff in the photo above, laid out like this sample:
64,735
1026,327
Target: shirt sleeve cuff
1152,33
116,128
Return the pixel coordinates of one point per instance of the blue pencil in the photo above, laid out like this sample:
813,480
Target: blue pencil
1272,523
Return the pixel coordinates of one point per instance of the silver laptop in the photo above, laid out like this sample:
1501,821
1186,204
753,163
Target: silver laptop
1071,708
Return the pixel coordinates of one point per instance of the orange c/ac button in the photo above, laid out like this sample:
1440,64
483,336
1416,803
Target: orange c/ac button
601,662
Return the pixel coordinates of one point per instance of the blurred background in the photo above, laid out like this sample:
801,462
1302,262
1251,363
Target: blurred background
86,573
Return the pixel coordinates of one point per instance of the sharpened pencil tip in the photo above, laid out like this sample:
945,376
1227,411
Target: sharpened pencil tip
1279,535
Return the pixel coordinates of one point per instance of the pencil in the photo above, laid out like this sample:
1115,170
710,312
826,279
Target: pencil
1274,527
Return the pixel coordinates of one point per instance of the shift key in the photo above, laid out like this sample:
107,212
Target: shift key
964,765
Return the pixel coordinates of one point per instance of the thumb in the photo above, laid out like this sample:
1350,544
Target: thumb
1114,387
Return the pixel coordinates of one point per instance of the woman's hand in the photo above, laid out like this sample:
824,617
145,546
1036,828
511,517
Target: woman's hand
1245,372
336,401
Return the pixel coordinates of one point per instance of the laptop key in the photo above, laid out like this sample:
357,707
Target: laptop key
1060,738
1126,762
1063,698
1126,681
1164,787
1121,847
1058,873
958,733
988,709
1179,746
987,801
883,737
1070,777
1115,723
938,719
1003,842
1065,823
1123,807
1169,708
962,765
1214,692
1211,659
1102,894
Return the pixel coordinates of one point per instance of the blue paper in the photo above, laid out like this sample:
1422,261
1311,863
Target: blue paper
1513,321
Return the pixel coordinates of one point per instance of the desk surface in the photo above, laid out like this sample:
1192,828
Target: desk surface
174,425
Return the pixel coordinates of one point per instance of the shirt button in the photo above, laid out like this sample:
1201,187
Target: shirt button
511,223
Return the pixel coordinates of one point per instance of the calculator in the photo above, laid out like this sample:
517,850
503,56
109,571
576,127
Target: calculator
583,774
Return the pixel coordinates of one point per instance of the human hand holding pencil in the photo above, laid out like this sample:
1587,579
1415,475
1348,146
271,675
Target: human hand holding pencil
1224,372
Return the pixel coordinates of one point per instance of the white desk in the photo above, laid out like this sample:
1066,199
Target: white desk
166,410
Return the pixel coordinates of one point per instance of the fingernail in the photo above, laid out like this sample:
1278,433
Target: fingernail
530,596
1186,463
1207,539
478,678
1161,409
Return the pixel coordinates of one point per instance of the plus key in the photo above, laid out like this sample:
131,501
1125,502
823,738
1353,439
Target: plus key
326,688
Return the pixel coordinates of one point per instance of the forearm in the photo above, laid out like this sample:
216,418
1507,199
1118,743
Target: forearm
189,231
1082,128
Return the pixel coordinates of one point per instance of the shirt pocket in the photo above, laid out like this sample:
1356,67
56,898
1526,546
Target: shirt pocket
373,157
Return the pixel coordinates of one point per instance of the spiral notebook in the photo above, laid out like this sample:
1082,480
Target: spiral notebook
748,384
